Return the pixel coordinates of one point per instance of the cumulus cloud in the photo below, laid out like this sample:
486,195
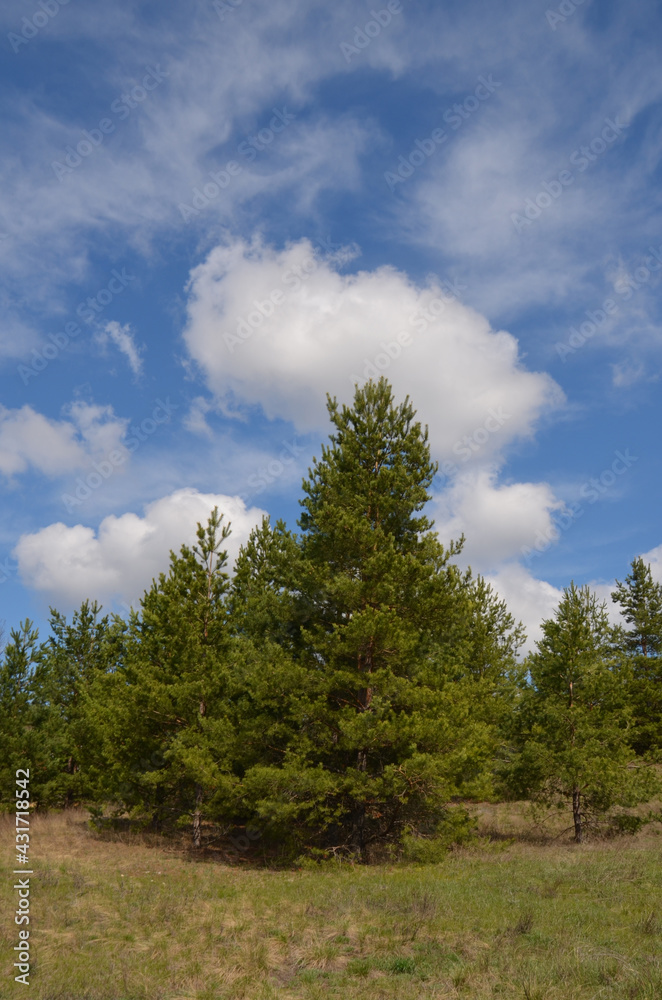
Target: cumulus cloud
654,559
499,521
532,601
529,600
29,440
119,560
281,328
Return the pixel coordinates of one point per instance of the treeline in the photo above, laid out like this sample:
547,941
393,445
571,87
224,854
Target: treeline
345,685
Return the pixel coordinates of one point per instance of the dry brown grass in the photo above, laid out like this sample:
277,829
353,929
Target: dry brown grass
133,917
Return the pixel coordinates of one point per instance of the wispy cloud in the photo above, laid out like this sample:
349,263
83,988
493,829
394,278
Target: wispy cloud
122,338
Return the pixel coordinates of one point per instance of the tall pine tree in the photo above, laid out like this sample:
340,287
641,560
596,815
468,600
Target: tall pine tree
384,734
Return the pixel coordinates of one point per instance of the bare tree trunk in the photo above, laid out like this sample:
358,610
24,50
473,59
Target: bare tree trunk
197,817
577,814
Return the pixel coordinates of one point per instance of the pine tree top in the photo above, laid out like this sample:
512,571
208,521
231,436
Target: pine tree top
374,474
640,600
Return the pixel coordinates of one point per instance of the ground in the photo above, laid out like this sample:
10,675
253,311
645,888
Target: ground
535,917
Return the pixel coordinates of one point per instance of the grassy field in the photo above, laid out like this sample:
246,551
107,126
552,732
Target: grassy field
126,919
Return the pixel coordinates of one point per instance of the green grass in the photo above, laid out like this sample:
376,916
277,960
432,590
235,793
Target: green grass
124,919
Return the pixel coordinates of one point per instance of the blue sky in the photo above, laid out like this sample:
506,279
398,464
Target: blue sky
212,214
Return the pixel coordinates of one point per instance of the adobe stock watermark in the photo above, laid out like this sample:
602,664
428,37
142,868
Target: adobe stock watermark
88,310
590,492
204,194
382,360
267,475
582,159
31,26
8,569
625,286
470,445
454,117
104,469
379,19
121,108
560,16
374,367
22,915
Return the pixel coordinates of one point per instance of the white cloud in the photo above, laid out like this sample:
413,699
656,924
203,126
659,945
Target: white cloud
278,329
459,203
28,439
98,426
195,420
654,558
220,83
529,600
118,562
532,601
603,592
627,373
222,80
122,337
498,521
309,329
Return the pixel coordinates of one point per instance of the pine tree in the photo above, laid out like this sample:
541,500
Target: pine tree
161,717
640,599
640,646
266,602
17,731
573,723
487,665
379,736
66,666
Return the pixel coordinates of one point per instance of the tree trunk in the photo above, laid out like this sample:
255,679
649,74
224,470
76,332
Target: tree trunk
197,817
365,667
577,814
358,820
70,769
365,699
358,832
